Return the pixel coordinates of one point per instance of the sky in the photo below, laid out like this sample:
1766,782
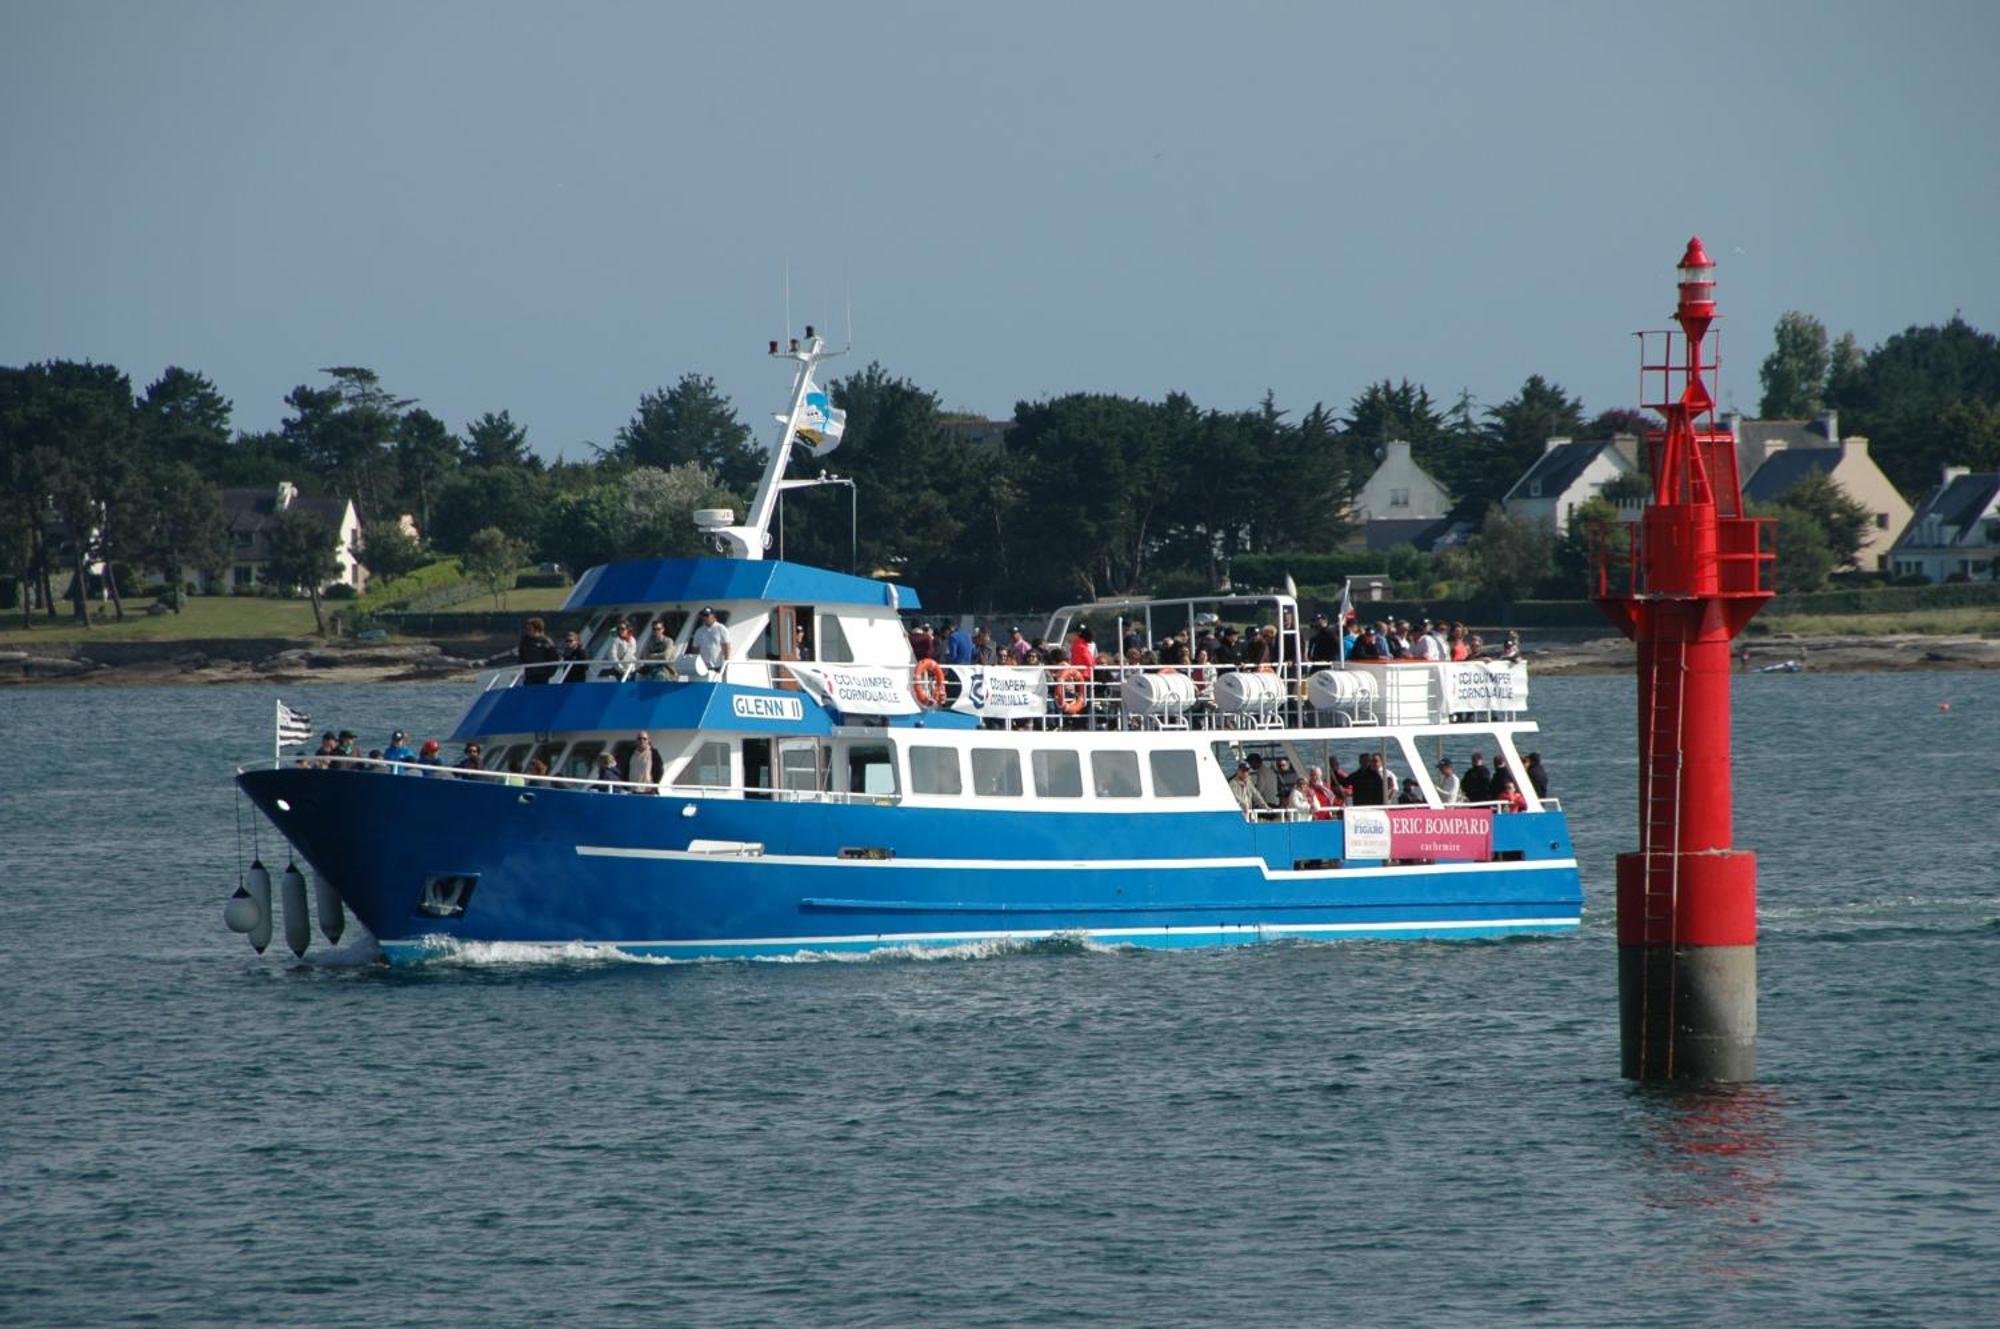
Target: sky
552,209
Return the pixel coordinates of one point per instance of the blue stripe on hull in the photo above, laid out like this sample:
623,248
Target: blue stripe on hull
567,867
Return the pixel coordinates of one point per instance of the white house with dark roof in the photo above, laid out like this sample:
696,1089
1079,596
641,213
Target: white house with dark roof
1785,462
1400,490
1568,474
252,517
1956,532
1774,455
1757,440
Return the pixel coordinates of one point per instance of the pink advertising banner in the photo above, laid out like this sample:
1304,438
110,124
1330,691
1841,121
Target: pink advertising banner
1441,833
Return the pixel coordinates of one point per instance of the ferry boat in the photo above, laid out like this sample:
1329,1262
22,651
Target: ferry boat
817,789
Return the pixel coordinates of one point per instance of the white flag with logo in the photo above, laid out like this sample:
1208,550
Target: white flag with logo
820,424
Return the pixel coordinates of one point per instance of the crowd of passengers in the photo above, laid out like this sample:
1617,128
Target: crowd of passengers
1260,789
638,649
641,771
1276,789
646,650
1221,646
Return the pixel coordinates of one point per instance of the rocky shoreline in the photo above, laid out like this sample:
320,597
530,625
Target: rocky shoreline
152,664
1615,655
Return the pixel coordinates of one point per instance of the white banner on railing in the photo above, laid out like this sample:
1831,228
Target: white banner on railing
1001,693
1367,833
858,689
1485,685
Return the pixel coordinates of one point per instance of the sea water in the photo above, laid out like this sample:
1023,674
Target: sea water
1293,1134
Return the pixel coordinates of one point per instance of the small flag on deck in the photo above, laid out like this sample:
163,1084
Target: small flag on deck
1346,612
293,726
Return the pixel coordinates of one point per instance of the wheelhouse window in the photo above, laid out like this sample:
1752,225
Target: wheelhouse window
1058,773
708,768
996,773
1115,774
934,770
1176,774
833,647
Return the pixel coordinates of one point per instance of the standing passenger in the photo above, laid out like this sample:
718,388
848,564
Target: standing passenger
536,652
711,641
639,769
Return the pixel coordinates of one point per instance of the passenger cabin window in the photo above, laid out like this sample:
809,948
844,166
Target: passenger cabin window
1058,774
833,647
1115,774
871,769
996,773
707,768
581,764
1176,774
934,770
511,758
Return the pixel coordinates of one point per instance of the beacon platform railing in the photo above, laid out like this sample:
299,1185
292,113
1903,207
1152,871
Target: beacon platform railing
1139,697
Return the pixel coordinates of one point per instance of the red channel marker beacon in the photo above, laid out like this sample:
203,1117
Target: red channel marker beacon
1682,584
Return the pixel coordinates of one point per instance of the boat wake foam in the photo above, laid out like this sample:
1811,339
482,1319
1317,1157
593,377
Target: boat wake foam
1065,943
446,952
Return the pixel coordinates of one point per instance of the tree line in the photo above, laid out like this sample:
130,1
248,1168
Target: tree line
1086,495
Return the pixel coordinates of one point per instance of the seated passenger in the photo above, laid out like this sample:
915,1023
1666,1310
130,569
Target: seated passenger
1323,797
1412,791
576,660
1508,797
607,773
624,652
656,662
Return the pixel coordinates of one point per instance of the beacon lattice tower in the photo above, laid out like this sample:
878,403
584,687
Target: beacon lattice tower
1682,584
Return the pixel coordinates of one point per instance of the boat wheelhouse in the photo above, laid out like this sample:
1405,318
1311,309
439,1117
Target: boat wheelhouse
794,779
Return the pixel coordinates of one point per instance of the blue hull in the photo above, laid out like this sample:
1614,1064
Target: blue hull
558,866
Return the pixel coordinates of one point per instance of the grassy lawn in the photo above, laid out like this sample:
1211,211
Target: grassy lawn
205,616
1984,621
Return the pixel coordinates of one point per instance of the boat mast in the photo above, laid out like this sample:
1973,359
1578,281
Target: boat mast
808,406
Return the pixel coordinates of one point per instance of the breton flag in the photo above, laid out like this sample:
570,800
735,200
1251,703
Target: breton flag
293,726
820,425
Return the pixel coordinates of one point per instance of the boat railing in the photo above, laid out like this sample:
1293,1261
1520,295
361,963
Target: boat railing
1292,694
780,794
1338,812
584,784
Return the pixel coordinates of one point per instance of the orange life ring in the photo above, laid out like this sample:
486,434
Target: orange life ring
1168,669
1069,690
1265,669
927,683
